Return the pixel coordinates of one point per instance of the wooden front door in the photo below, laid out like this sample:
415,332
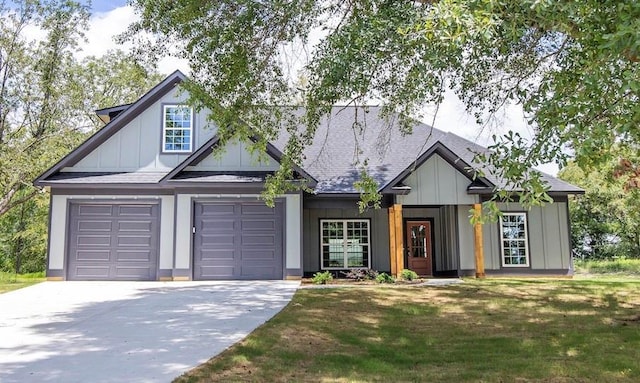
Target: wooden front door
420,257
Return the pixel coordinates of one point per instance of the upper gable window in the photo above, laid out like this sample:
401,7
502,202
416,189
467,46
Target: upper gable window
177,129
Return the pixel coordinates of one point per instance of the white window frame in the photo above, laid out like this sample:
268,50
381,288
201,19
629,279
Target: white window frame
165,128
525,239
345,244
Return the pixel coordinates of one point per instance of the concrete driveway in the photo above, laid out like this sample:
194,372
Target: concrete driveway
127,331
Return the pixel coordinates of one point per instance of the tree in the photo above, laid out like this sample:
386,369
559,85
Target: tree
606,220
573,66
46,100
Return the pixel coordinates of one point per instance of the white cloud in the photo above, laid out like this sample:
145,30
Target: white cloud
105,26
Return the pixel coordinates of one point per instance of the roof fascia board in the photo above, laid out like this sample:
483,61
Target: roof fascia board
114,126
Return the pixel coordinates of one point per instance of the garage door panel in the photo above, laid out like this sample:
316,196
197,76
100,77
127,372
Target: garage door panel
134,256
217,225
135,210
215,272
123,245
93,255
257,272
134,240
218,240
142,226
238,240
217,209
258,255
94,210
258,224
90,226
92,272
258,239
218,255
93,240
256,208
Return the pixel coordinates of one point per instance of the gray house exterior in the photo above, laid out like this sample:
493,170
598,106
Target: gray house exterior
144,199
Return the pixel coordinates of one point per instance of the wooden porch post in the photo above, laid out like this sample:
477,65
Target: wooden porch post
396,256
392,241
479,249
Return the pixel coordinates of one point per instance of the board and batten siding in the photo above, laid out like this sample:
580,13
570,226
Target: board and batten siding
59,223
548,238
184,225
137,147
378,233
436,182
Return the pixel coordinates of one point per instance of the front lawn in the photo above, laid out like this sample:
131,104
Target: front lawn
10,281
482,330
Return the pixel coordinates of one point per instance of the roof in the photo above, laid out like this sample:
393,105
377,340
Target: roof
391,156
331,163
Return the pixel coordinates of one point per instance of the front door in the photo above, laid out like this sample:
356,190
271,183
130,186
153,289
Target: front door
419,247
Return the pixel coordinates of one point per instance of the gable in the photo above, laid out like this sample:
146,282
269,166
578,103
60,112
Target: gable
136,147
235,157
437,182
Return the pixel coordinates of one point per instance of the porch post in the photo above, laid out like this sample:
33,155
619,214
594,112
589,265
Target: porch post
396,258
392,241
479,248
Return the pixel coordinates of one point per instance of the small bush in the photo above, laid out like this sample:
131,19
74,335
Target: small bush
408,275
620,265
384,278
372,274
360,274
322,278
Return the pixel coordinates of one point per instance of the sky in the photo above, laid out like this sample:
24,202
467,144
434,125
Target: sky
110,18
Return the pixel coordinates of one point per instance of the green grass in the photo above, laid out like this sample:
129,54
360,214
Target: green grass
10,281
621,266
480,331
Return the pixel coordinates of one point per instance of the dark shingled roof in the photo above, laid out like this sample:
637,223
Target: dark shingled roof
337,148
105,178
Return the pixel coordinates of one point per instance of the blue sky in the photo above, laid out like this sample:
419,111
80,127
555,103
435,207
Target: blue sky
106,5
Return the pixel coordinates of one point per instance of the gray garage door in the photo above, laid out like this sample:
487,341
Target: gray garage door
238,240
113,241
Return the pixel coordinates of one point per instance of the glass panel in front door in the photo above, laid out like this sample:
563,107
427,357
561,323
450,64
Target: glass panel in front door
418,241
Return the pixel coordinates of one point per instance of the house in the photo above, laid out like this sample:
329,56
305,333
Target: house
143,199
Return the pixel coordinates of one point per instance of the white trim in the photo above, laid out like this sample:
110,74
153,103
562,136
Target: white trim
164,128
525,240
344,245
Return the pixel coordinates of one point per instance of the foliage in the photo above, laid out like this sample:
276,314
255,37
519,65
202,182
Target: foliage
618,265
46,102
389,335
385,278
361,274
574,67
322,278
408,275
606,219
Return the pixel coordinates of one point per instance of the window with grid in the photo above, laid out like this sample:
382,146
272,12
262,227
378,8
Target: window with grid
513,234
345,244
177,132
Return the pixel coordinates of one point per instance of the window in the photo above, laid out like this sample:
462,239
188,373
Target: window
177,132
513,234
344,244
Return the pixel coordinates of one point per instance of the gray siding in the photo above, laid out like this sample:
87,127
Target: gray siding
548,237
436,182
235,157
379,235
136,147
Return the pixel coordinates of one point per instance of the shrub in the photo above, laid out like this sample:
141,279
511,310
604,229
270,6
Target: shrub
361,274
619,265
322,278
384,278
408,275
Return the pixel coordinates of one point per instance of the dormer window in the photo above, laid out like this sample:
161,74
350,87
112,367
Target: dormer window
177,131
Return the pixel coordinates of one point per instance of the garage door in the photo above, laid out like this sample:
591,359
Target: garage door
113,241
238,240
